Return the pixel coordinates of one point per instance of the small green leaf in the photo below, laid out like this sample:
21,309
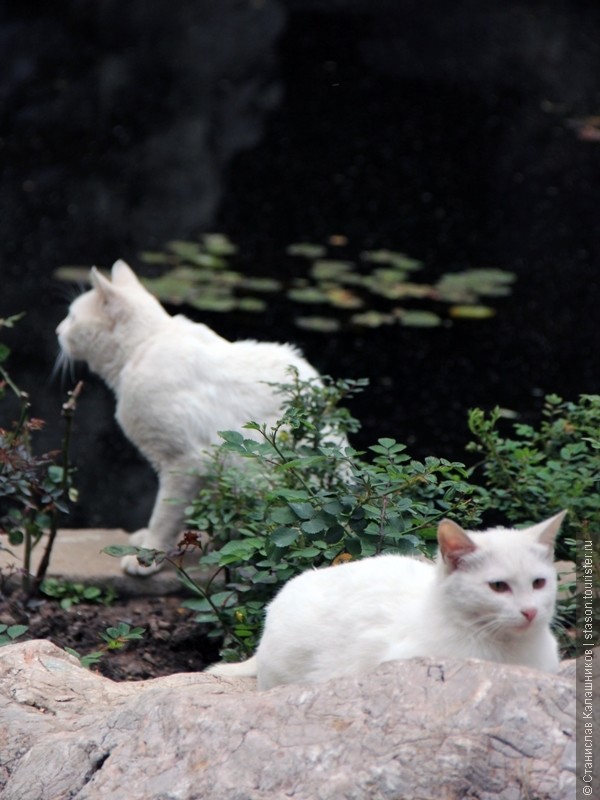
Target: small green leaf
149,257
307,294
184,249
314,525
319,324
303,510
420,319
213,302
15,631
55,473
471,312
372,319
253,305
283,537
218,244
73,274
305,250
328,269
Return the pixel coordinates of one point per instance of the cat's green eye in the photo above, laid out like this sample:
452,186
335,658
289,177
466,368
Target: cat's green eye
499,586
539,583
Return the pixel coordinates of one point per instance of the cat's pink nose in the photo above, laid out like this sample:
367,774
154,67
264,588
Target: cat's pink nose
529,613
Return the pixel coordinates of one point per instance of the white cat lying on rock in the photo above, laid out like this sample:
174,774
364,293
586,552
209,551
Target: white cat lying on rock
177,383
490,595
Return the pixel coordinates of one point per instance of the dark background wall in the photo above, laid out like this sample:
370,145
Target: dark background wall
443,130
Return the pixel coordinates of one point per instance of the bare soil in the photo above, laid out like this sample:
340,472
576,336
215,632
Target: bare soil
172,642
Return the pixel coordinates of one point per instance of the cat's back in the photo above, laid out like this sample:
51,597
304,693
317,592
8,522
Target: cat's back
350,588
186,349
340,620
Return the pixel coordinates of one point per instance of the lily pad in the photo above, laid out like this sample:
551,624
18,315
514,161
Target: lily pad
372,319
469,285
398,260
73,274
306,250
328,269
307,294
149,257
419,319
320,324
253,304
217,244
471,312
184,249
343,298
213,302
401,290
170,288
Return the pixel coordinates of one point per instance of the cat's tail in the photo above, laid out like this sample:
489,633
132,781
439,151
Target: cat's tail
243,669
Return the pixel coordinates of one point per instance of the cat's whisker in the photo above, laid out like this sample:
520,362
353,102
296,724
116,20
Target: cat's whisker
63,368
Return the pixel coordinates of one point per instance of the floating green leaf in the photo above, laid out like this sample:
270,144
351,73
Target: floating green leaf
306,250
471,312
343,298
155,258
372,319
398,260
213,302
320,324
253,304
328,269
469,285
400,290
217,244
73,274
184,249
307,294
419,319
260,284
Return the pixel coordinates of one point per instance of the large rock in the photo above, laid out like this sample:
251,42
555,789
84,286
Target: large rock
419,730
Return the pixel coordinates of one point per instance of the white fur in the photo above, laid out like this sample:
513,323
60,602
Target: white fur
347,619
177,384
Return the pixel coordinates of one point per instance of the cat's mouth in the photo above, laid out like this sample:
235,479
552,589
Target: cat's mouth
524,624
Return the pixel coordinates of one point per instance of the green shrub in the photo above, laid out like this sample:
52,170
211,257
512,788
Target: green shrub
536,471
35,490
70,594
299,497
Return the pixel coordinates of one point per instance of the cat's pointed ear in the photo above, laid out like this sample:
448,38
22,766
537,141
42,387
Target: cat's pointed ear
123,275
111,297
102,285
454,543
545,532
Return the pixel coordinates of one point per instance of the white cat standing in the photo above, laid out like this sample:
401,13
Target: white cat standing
177,383
489,595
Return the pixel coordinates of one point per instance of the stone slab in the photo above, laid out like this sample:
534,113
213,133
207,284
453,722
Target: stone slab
77,557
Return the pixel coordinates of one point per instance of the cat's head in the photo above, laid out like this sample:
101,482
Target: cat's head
104,322
501,580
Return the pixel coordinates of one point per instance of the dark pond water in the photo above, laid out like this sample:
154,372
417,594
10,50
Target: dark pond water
444,130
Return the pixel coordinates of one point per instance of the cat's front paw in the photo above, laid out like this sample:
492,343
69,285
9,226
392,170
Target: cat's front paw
131,566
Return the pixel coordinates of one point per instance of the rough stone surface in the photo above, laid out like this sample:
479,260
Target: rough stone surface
415,730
